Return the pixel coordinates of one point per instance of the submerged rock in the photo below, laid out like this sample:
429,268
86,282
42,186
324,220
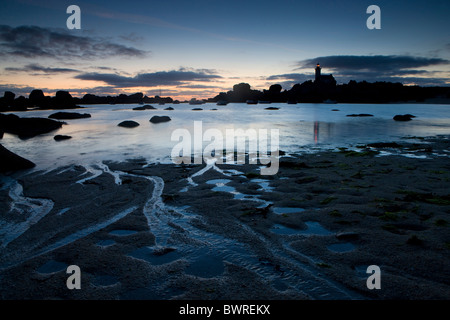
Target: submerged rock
271,108
128,124
159,119
169,108
60,137
10,161
68,115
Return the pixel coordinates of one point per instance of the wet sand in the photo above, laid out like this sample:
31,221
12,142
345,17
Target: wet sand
155,231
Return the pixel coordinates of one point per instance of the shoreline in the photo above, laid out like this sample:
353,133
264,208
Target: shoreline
319,222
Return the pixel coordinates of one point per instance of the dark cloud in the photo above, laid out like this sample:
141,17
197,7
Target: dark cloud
37,42
197,86
301,77
40,69
392,68
377,63
175,77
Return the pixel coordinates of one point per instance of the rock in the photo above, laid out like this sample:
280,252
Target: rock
128,124
169,108
403,117
37,98
60,137
271,108
63,100
360,115
10,161
159,119
335,110
146,107
68,115
213,109
27,127
384,145
347,235
197,109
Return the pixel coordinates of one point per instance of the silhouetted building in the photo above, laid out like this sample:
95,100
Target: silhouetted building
324,79
318,69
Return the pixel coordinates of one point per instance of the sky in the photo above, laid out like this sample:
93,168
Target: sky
199,48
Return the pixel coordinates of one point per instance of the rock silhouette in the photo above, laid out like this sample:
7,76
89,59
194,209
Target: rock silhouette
360,115
403,117
68,115
128,124
159,119
10,161
146,107
60,137
26,128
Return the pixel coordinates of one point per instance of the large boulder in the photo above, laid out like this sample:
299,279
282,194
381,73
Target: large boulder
37,98
63,100
68,115
10,161
27,127
128,124
159,119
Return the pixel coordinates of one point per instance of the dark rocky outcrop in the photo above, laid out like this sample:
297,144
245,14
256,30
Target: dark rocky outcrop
197,109
271,108
169,108
37,98
60,137
68,115
159,119
403,117
128,124
27,127
63,100
10,161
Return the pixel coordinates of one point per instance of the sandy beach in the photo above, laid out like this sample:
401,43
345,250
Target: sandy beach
165,231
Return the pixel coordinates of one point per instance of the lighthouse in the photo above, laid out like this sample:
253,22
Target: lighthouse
318,68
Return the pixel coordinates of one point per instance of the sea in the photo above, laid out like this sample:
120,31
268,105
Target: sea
302,128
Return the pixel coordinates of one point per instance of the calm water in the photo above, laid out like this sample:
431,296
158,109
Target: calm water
302,128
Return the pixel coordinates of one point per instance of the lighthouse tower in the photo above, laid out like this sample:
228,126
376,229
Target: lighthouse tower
318,68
